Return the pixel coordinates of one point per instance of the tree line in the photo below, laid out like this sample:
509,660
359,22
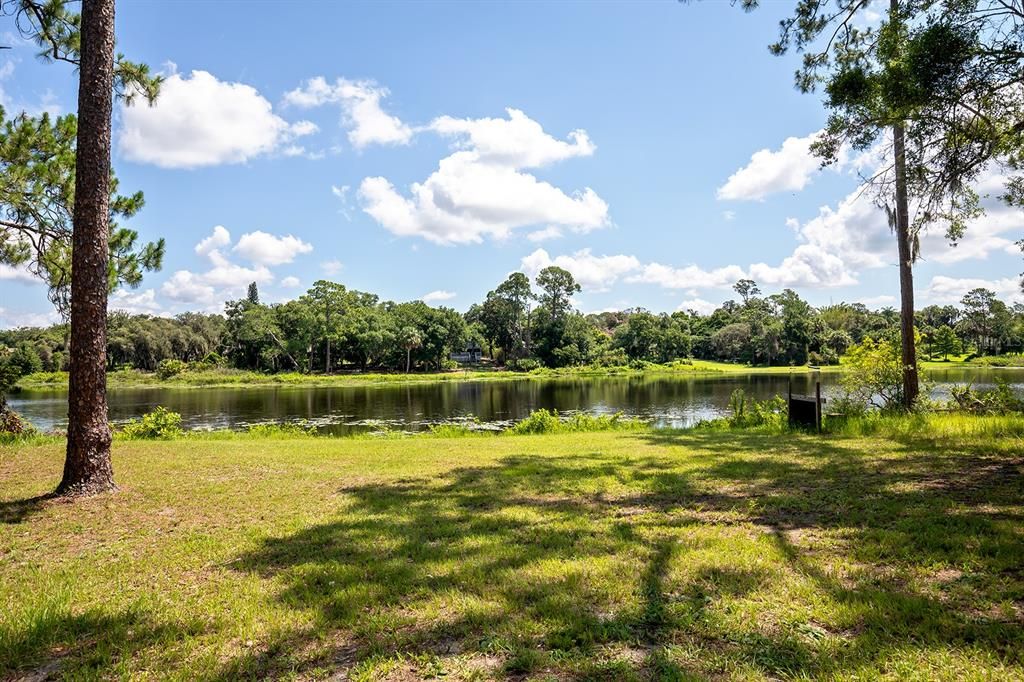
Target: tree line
520,324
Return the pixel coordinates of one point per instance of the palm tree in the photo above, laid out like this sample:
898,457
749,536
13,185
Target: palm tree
410,339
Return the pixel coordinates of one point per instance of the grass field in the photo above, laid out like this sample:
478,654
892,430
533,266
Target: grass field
614,556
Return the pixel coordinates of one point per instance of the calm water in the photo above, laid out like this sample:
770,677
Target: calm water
667,400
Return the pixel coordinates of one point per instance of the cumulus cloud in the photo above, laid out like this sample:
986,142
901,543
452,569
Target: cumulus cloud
224,279
517,141
199,120
593,273
689,277
362,113
438,295
267,249
946,290
290,282
136,302
217,240
481,190
787,169
698,304
14,319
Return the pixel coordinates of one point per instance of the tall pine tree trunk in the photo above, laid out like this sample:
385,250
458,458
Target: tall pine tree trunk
908,352
87,467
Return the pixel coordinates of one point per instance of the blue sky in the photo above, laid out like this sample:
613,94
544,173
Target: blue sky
655,149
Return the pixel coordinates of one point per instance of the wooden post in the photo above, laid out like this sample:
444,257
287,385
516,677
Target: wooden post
817,405
789,401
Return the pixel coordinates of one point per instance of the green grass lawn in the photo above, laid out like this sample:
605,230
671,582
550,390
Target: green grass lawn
615,556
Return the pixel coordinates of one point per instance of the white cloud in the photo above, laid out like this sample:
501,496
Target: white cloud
788,169
728,216
343,194
135,302
290,282
201,121
517,141
185,286
266,249
439,295
944,289
223,280
331,267
877,301
593,273
809,266
481,191
13,319
362,114
550,232
17,273
217,240
689,277
700,305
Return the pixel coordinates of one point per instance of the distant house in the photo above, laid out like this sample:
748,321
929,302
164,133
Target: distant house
472,353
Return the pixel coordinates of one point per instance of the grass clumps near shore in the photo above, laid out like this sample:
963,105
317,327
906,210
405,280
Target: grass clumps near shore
543,421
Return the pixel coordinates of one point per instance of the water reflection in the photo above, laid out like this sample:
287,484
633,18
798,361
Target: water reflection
665,400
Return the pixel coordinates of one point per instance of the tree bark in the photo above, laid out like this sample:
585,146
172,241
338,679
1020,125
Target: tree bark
908,352
87,466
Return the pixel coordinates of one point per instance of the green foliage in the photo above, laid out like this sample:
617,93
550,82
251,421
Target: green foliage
929,425
37,161
745,412
299,429
457,429
874,373
543,421
946,343
170,368
999,400
1007,360
160,424
523,365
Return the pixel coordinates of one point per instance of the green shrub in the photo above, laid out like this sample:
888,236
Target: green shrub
542,421
1007,360
612,358
539,421
160,424
745,412
523,365
999,400
170,368
290,430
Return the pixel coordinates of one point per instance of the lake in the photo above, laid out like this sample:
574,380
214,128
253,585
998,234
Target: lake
666,400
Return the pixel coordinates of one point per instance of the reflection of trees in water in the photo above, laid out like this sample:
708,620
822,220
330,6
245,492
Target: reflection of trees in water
669,400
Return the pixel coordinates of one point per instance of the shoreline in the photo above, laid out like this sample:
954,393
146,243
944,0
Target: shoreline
121,379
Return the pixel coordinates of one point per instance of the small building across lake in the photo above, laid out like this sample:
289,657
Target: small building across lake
472,353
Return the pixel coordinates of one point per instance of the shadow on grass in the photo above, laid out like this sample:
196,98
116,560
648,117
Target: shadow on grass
61,645
599,567
18,511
